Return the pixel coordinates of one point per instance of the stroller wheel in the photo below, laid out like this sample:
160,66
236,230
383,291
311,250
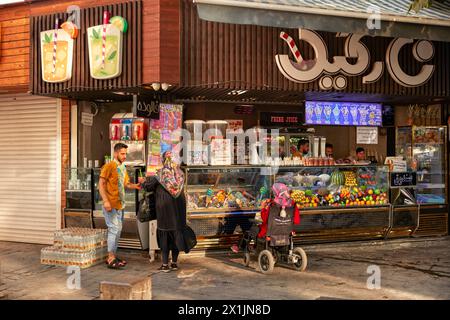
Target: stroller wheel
246,259
266,261
302,260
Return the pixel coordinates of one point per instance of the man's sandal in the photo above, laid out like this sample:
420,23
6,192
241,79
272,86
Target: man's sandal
122,262
115,264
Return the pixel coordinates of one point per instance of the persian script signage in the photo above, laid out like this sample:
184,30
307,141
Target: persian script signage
334,74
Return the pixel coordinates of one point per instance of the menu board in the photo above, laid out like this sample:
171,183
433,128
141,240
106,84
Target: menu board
366,135
403,179
343,113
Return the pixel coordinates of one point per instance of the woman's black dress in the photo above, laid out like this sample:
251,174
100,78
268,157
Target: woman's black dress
170,216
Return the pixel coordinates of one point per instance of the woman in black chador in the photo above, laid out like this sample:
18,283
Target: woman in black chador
170,204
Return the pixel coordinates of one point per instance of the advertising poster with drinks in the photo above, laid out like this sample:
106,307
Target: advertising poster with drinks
106,47
57,52
343,113
164,135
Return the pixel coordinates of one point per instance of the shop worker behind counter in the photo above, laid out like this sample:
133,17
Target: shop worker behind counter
113,181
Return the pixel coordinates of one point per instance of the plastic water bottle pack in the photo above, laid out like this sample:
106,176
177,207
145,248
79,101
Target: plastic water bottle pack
76,247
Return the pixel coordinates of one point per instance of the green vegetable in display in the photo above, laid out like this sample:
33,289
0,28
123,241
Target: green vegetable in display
337,178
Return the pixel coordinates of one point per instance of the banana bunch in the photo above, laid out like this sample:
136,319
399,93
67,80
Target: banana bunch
350,179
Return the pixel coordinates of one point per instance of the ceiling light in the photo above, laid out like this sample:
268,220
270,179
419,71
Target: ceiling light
165,86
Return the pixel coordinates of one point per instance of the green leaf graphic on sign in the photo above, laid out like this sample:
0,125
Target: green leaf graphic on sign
96,34
47,38
112,55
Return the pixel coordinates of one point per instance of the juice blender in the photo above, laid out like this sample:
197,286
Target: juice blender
139,129
126,124
114,129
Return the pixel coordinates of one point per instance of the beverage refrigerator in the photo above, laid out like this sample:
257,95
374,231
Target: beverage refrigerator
425,150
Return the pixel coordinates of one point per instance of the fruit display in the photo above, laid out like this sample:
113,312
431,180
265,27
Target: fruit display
229,198
367,179
349,178
298,196
346,187
343,196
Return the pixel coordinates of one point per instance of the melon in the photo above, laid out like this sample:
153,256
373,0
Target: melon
337,178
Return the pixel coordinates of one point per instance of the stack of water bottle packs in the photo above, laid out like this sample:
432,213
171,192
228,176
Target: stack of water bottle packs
81,247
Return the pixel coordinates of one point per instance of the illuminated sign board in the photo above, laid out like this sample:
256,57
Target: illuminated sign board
343,113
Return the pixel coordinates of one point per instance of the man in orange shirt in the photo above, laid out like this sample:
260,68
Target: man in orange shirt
113,181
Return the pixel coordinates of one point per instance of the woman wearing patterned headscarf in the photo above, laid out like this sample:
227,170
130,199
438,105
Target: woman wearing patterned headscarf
170,204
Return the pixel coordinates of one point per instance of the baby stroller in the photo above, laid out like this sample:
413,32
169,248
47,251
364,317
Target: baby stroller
276,246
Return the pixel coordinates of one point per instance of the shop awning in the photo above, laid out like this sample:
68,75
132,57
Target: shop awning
350,16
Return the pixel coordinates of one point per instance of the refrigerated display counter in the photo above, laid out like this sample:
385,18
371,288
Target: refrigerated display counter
425,150
337,202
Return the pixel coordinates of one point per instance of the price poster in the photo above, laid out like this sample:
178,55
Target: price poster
366,135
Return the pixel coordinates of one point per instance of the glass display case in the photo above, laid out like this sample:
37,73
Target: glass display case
336,186
226,189
403,146
78,187
424,149
131,196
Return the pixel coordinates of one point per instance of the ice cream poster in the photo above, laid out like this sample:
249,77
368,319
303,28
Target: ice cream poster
105,44
57,52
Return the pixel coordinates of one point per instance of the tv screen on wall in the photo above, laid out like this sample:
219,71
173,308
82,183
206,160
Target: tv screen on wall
343,113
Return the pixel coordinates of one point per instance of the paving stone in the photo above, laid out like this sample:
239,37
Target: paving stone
127,289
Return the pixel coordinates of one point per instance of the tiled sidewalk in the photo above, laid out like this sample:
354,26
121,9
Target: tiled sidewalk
410,269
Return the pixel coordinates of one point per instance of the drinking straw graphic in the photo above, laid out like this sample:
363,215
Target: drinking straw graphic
106,16
292,46
55,42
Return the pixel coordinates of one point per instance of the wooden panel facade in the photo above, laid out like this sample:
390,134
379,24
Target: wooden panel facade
81,79
14,52
217,56
159,22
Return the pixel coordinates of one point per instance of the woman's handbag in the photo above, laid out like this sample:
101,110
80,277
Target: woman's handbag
190,238
147,210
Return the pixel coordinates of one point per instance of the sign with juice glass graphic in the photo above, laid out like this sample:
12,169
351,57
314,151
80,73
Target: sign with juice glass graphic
56,55
105,48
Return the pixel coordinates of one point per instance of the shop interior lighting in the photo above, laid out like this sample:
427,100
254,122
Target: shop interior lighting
165,86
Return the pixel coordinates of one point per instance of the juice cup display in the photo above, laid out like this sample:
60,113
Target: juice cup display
139,129
114,129
105,51
126,125
56,55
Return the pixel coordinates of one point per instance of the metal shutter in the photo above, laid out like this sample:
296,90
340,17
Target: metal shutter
30,174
